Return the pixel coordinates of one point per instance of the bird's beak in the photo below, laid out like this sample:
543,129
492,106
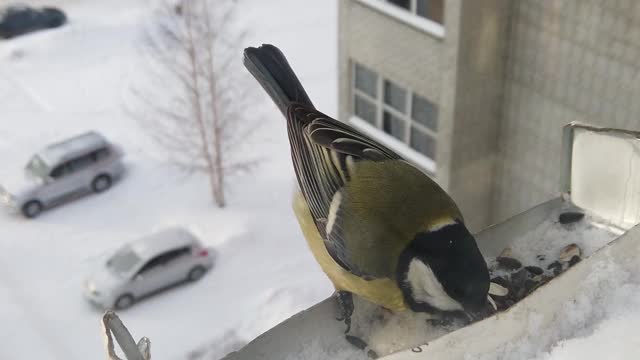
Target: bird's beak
480,311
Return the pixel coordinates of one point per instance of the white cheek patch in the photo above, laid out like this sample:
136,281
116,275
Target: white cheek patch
427,289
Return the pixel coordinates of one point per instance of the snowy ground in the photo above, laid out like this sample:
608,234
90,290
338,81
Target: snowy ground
59,83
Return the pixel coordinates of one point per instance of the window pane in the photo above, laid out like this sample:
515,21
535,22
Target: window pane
393,126
431,9
423,143
424,112
100,154
60,171
366,80
80,163
395,96
364,109
402,3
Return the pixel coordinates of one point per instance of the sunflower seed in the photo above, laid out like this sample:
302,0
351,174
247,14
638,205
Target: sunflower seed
493,303
497,290
508,263
556,267
574,260
568,252
506,252
535,270
569,217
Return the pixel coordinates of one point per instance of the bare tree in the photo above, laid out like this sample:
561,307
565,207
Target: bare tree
194,102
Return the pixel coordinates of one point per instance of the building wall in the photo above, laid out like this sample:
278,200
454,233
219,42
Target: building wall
481,42
461,73
400,52
571,60
406,55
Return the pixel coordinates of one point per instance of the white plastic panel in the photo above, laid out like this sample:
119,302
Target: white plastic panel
605,174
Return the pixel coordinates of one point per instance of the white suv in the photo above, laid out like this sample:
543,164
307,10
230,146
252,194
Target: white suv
63,171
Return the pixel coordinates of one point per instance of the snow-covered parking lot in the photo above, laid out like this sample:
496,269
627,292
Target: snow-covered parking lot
56,84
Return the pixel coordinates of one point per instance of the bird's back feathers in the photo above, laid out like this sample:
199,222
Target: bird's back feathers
353,216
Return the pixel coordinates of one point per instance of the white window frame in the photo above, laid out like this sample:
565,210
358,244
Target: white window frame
402,147
407,16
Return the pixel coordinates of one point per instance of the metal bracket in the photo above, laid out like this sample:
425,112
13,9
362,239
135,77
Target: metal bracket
111,324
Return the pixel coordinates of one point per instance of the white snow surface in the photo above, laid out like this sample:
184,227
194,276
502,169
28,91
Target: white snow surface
56,84
601,322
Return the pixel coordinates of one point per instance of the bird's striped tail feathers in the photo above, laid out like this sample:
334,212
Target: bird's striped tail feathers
270,67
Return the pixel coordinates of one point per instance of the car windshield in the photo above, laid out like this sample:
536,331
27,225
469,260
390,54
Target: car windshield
37,167
123,261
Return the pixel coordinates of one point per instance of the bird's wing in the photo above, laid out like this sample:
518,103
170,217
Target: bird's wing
326,155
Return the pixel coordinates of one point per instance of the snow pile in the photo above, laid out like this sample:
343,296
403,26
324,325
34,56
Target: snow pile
228,342
600,323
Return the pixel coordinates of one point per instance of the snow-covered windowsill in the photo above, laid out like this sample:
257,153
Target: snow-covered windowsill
426,25
394,144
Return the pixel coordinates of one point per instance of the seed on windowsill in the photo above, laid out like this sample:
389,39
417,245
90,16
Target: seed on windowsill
498,290
508,263
570,217
535,270
555,267
506,252
568,252
574,260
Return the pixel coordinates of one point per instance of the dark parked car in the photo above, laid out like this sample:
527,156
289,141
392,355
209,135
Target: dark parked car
19,20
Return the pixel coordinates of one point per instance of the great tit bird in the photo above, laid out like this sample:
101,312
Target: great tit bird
379,227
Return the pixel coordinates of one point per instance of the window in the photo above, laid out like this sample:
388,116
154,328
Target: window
366,84
99,154
424,112
395,96
153,263
123,261
431,9
402,3
428,9
396,110
165,258
80,163
60,171
366,80
174,254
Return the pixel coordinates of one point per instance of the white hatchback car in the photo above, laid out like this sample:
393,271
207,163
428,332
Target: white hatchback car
146,266
63,171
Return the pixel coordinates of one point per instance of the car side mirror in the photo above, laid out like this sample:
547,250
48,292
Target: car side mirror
48,179
138,277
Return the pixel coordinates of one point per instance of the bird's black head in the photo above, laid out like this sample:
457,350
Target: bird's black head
442,270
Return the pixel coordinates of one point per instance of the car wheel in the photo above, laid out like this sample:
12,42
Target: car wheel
124,301
101,183
32,209
196,273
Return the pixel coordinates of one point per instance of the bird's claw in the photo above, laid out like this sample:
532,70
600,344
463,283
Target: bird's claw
362,345
345,308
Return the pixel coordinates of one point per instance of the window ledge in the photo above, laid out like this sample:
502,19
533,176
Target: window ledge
394,144
406,16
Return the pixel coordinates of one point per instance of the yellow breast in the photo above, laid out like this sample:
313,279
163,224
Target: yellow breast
383,292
